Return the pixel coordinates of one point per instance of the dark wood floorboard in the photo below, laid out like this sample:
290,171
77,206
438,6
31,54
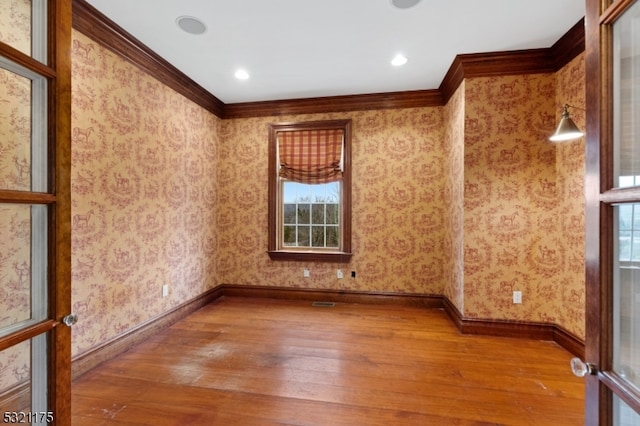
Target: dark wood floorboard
243,361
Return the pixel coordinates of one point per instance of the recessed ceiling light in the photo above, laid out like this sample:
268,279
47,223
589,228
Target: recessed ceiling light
242,75
399,60
404,4
191,25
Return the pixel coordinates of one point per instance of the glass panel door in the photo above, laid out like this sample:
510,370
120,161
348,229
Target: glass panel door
24,264
617,384
626,217
34,211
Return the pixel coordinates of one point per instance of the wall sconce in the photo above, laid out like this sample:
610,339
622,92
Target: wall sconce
567,129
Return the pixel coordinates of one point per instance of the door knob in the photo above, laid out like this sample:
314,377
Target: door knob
70,319
581,368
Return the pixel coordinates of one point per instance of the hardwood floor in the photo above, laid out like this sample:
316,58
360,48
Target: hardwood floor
243,361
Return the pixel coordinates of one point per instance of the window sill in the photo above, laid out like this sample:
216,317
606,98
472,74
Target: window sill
310,256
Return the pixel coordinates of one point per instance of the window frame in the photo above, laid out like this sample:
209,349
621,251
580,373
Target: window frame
275,250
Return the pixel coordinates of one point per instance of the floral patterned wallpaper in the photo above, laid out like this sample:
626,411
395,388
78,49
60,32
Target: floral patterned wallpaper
398,212
144,198
467,200
453,245
570,221
510,196
523,204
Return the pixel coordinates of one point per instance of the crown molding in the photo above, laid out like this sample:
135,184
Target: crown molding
569,46
90,22
95,25
530,61
374,101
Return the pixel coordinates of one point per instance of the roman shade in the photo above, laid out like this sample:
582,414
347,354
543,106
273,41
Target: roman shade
311,156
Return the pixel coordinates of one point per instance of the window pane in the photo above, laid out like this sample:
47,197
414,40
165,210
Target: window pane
23,147
317,214
304,213
626,216
23,382
290,213
23,266
310,204
318,236
635,246
332,192
23,26
333,213
626,102
625,246
15,24
304,236
636,218
623,415
332,236
16,363
626,306
15,125
289,237
291,191
306,204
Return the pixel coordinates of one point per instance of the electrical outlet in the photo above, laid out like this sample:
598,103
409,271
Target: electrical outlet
306,273
165,290
339,274
517,297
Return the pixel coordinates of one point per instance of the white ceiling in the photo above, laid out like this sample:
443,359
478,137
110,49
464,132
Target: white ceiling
313,48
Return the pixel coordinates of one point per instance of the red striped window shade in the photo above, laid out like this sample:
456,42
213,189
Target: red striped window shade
311,156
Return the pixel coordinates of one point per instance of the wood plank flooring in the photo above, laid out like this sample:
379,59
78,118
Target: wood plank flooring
244,361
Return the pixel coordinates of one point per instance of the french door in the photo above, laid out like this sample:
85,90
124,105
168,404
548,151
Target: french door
35,99
612,29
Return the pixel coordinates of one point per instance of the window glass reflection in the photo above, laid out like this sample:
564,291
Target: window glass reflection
627,292
623,415
23,266
15,126
15,24
15,383
23,382
626,102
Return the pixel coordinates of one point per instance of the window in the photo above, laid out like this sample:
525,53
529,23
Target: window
310,191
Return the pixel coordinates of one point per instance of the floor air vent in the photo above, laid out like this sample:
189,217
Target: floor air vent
323,304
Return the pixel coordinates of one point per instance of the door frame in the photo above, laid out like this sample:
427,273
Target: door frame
60,29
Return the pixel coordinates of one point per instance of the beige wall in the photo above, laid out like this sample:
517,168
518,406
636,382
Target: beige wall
523,200
510,193
474,205
569,221
398,183
453,246
144,196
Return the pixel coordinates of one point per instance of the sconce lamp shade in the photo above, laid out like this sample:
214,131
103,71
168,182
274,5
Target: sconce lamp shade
567,129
